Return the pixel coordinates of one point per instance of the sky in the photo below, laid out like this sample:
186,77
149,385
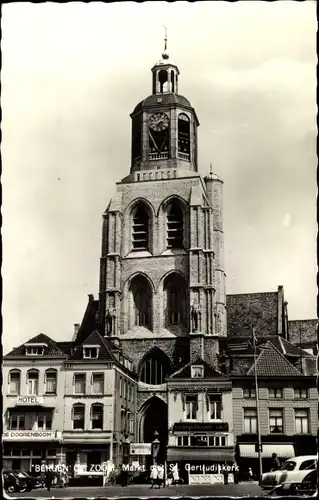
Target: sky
71,75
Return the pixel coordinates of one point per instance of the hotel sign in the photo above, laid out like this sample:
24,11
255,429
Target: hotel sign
29,400
31,436
201,427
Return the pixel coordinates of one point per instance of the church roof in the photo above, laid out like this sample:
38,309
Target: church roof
166,98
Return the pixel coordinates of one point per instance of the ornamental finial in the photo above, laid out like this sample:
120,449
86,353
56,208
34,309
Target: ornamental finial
165,54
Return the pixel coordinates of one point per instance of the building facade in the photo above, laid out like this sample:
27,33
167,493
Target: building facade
163,351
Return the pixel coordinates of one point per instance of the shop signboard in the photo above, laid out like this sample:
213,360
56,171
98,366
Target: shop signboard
201,427
30,436
141,448
29,400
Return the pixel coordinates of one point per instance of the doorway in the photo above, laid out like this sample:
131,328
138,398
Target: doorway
154,418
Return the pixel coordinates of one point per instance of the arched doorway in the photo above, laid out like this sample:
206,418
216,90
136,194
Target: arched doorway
154,418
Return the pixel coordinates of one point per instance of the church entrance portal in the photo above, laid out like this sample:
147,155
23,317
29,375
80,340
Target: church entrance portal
154,418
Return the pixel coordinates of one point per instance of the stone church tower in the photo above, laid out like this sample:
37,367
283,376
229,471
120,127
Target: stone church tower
162,279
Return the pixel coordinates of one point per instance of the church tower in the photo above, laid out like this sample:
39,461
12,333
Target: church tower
162,280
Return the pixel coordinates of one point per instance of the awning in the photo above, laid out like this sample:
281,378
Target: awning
200,454
282,450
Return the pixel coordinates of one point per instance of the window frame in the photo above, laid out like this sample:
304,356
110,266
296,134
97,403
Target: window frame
34,391
46,418
18,416
102,378
100,406
179,221
88,349
300,390
76,374
193,409
51,371
200,369
276,391
302,419
77,406
218,406
276,417
14,371
252,419
250,390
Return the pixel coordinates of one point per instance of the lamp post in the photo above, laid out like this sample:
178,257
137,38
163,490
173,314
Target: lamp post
259,445
155,447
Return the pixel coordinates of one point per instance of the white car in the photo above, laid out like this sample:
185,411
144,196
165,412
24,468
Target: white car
290,474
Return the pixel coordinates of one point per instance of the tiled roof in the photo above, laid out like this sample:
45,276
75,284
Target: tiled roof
270,363
257,309
185,371
52,348
306,328
95,338
65,346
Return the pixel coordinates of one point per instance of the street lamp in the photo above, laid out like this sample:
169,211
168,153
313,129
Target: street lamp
155,447
259,445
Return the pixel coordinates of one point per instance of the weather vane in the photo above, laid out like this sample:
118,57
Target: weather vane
165,54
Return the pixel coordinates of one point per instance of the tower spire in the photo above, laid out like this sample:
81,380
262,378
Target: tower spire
165,53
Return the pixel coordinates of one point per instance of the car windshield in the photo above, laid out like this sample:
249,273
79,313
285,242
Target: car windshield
289,465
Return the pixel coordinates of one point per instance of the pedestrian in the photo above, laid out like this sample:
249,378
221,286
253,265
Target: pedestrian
236,472
250,475
160,475
49,479
154,474
275,463
175,474
124,478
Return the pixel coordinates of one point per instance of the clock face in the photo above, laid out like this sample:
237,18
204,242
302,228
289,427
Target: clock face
158,121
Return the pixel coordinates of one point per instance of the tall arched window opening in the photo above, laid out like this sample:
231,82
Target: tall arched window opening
175,300
141,300
155,368
33,382
183,137
173,80
140,228
163,81
175,225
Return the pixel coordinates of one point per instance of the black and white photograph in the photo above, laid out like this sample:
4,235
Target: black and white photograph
159,249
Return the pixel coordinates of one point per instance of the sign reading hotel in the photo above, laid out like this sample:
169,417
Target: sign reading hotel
29,400
30,435
201,426
141,448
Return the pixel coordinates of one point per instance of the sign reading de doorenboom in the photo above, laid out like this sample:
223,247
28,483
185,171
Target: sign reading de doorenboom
29,400
31,435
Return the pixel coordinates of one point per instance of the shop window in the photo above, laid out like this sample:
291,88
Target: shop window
155,368
90,352
199,441
97,416
140,227
250,421
301,421
14,382
276,393
276,421
249,392
33,382
17,422
301,393
78,416
191,407
50,381
175,225
215,406
98,383
37,452
44,422
197,371
51,453
79,383
16,464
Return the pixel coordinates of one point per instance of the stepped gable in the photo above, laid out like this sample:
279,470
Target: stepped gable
52,348
271,363
185,371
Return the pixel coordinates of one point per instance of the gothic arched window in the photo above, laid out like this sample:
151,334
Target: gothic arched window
175,225
155,368
183,137
140,227
141,298
175,300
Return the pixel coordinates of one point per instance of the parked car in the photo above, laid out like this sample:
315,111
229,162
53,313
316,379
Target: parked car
12,482
291,474
31,481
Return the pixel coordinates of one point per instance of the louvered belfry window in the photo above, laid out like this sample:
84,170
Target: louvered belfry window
140,228
175,226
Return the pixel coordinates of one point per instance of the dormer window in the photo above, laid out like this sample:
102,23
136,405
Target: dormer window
91,351
35,349
197,371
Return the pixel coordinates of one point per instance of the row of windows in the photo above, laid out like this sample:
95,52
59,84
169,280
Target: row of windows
142,225
42,422
50,382
276,393
214,407
126,390
276,421
201,440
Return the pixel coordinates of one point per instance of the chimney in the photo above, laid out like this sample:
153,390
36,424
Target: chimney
91,297
76,329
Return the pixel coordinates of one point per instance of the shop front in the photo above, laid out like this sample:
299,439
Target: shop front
248,456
